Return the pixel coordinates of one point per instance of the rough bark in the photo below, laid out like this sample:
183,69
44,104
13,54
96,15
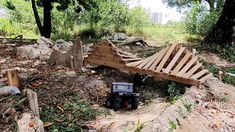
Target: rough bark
46,32
223,32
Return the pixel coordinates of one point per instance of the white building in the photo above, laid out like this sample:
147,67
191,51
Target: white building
159,12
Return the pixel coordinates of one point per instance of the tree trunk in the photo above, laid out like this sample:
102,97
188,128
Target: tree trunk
46,31
37,18
223,32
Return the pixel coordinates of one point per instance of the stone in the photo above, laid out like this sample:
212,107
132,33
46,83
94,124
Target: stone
63,45
120,36
86,49
41,50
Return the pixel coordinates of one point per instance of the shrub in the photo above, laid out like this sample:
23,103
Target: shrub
199,20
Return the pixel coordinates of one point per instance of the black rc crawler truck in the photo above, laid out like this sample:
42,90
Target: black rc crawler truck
122,95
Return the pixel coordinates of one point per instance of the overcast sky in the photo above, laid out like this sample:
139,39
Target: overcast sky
158,6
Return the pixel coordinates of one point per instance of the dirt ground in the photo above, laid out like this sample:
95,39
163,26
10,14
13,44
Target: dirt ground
213,104
213,109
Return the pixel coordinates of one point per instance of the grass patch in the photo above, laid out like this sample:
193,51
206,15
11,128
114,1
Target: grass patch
172,125
139,126
188,105
167,33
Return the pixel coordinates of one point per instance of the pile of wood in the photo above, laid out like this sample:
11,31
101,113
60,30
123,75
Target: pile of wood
174,63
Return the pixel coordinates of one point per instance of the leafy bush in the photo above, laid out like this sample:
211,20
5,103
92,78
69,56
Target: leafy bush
199,20
138,19
108,14
63,23
20,19
175,90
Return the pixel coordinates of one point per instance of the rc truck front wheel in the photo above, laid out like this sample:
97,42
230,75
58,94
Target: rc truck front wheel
116,105
134,103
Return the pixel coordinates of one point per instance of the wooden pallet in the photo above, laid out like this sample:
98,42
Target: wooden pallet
174,63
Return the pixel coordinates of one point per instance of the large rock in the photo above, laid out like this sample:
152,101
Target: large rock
63,45
72,58
41,50
118,37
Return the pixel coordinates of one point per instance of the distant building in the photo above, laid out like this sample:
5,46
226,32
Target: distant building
157,17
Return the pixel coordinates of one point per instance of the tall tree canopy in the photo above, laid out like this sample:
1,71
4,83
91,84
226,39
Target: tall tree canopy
214,5
224,31
46,27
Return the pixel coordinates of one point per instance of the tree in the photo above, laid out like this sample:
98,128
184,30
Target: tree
46,27
224,30
214,5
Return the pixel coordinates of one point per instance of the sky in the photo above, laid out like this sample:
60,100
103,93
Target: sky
157,6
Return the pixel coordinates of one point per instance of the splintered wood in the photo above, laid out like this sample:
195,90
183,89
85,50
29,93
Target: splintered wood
174,63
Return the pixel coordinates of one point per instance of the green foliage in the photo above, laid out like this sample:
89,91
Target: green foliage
172,125
63,22
138,19
20,19
75,112
188,105
139,126
174,90
111,14
215,69
200,21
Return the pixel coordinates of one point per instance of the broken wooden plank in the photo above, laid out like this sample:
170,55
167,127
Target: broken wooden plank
33,102
165,58
151,61
159,58
177,79
199,74
133,64
174,60
131,59
206,77
194,69
13,78
181,63
144,62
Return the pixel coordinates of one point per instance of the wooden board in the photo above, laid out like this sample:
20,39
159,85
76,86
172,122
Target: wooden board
159,58
194,69
181,63
166,64
174,60
187,66
151,61
144,62
199,74
165,58
206,77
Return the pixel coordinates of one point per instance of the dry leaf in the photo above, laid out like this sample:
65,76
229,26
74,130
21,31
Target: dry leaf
47,124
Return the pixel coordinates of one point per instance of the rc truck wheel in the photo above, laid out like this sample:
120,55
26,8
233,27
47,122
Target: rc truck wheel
108,103
116,105
134,103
